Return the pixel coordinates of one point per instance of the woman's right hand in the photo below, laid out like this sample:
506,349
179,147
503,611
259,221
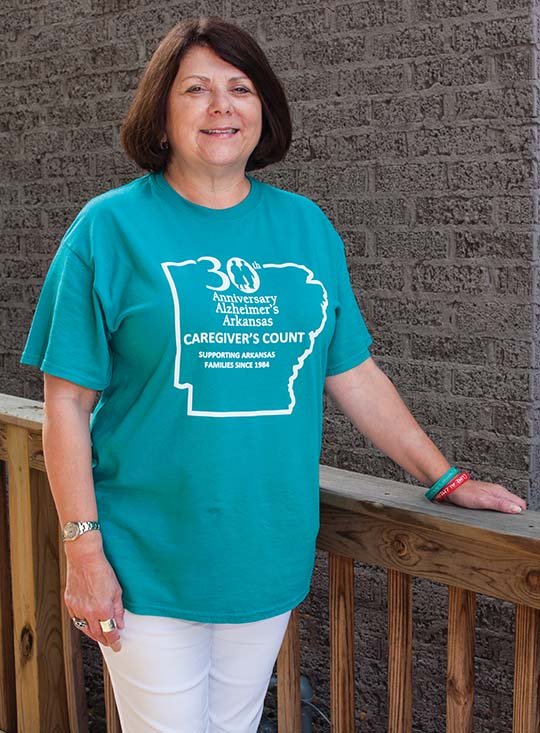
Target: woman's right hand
93,591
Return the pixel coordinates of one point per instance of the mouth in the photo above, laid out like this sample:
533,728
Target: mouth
229,132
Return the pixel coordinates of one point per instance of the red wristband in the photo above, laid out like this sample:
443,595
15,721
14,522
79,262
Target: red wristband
454,484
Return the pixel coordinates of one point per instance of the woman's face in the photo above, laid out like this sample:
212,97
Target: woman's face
226,98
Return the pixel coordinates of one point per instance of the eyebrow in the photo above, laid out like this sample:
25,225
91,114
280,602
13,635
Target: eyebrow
198,76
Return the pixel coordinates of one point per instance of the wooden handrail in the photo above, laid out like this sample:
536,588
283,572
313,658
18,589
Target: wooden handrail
363,518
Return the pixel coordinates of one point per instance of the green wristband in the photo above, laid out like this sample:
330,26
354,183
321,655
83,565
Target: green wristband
432,492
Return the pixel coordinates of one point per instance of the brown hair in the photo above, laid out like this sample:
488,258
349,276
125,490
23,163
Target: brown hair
144,124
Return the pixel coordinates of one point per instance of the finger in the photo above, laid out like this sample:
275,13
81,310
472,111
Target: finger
119,612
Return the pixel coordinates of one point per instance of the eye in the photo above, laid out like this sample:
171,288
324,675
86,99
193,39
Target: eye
193,88
244,88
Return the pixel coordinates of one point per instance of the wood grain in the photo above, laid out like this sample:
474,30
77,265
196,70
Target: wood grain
399,652
341,612
460,666
288,679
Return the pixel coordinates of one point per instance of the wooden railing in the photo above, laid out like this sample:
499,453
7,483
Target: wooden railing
370,520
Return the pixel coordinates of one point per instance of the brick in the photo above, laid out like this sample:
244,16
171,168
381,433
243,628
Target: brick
416,377
447,412
495,244
502,453
461,349
91,138
411,245
410,177
348,179
113,55
17,218
493,34
334,51
57,38
19,120
500,384
513,280
371,212
307,84
68,166
373,79
513,419
369,14
392,312
36,194
141,23
305,25
72,114
435,9
404,111
450,71
512,102
514,209
408,43
343,113
454,210
22,70
513,66
17,21
58,11
492,176
447,140
493,318
512,353
377,277
87,86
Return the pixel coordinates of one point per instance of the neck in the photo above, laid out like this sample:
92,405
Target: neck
216,190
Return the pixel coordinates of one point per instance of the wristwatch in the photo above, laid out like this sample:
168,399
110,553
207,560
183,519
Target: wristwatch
72,530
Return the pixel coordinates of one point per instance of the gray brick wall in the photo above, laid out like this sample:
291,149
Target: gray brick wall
415,128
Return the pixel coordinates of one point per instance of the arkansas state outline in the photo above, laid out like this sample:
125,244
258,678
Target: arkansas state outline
243,331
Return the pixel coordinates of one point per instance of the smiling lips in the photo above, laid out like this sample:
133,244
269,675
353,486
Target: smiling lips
221,132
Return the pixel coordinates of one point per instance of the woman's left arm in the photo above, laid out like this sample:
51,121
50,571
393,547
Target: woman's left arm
369,399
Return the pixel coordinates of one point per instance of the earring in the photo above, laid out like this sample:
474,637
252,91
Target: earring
164,145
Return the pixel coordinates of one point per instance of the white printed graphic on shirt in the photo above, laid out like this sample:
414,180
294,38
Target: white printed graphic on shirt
243,332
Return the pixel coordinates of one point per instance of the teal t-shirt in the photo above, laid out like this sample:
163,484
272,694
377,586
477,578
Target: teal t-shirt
209,333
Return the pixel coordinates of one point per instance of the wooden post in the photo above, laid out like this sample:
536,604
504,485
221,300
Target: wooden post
342,686
37,624
527,671
8,703
460,667
399,652
288,679
111,712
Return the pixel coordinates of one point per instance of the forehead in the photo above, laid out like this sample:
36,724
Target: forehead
199,60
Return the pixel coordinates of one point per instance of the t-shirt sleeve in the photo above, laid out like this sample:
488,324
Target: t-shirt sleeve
68,336
351,339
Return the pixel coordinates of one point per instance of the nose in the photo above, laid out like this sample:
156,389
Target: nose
220,101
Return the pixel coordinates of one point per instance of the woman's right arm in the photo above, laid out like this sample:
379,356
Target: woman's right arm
92,589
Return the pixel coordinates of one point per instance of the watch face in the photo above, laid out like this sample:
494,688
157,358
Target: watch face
71,530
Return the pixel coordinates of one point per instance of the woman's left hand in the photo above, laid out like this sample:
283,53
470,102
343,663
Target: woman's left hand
482,495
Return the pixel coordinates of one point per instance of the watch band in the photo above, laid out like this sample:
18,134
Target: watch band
72,530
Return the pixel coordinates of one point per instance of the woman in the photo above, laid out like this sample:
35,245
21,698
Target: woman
210,310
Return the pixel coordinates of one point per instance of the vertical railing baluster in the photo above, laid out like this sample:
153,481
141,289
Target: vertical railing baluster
289,704
342,682
527,671
8,702
111,712
460,666
399,652
37,625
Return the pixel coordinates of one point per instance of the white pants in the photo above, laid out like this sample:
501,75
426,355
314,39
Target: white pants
176,676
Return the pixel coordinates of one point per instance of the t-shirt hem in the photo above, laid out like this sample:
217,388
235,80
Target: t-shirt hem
349,363
60,371
217,617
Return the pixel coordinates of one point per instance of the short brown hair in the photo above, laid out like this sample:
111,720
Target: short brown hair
143,126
